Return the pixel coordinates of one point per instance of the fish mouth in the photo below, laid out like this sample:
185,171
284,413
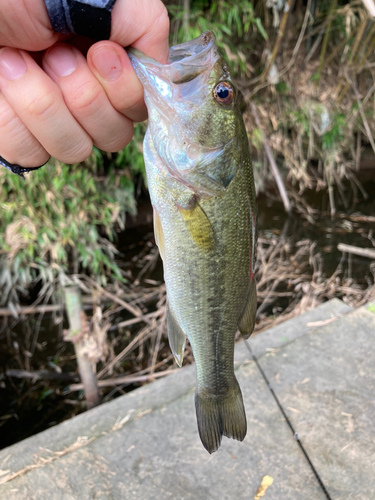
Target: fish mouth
186,61
193,48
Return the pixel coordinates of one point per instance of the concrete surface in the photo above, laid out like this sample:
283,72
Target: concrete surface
145,445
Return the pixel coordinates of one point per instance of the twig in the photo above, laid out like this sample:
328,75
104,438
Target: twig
290,63
311,9
4,311
144,317
125,305
275,170
358,150
128,379
363,252
43,461
352,59
338,48
325,39
314,47
330,188
47,308
299,41
280,36
365,122
142,335
42,375
354,114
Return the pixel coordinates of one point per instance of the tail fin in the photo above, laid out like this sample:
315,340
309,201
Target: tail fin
219,415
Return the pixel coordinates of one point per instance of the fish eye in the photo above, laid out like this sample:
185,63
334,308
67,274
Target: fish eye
223,93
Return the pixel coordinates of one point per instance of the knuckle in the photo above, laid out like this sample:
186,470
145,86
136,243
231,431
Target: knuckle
24,150
34,157
86,98
160,24
8,118
77,154
117,143
42,105
163,21
126,103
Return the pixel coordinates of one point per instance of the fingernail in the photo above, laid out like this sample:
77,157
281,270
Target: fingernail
12,64
107,63
62,60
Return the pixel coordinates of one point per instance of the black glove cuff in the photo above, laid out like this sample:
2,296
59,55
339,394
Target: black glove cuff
17,169
91,18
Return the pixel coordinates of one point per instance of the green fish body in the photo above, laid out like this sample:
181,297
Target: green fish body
201,186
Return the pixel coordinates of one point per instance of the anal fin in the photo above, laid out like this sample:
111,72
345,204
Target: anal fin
247,322
159,234
176,337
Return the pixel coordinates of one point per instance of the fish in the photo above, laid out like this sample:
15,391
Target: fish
200,180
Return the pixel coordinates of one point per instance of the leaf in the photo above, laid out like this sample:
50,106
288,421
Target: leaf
259,25
266,482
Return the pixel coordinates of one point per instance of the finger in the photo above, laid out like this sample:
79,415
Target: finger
17,144
110,64
86,98
26,25
39,103
143,24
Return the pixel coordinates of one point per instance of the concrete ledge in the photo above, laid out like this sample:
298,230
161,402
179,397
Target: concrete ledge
146,445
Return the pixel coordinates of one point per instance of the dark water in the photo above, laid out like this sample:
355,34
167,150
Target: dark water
28,407
347,226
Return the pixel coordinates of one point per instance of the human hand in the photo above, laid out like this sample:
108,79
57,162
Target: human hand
60,102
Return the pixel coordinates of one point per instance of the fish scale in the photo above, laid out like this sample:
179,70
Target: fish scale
201,187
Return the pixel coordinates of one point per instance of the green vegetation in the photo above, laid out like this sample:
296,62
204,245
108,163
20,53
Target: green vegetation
234,25
309,72
62,220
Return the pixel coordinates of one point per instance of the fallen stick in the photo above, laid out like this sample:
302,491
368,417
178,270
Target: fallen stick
135,311
42,309
136,320
42,375
363,252
142,335
128,379
5,311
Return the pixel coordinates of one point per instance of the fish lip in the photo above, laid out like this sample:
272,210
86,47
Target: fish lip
186,60
189,51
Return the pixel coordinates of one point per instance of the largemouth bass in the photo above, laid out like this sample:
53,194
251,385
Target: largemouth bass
201,186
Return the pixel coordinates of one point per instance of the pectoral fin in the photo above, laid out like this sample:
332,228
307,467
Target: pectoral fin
247,322
176,337
159,235
199,227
